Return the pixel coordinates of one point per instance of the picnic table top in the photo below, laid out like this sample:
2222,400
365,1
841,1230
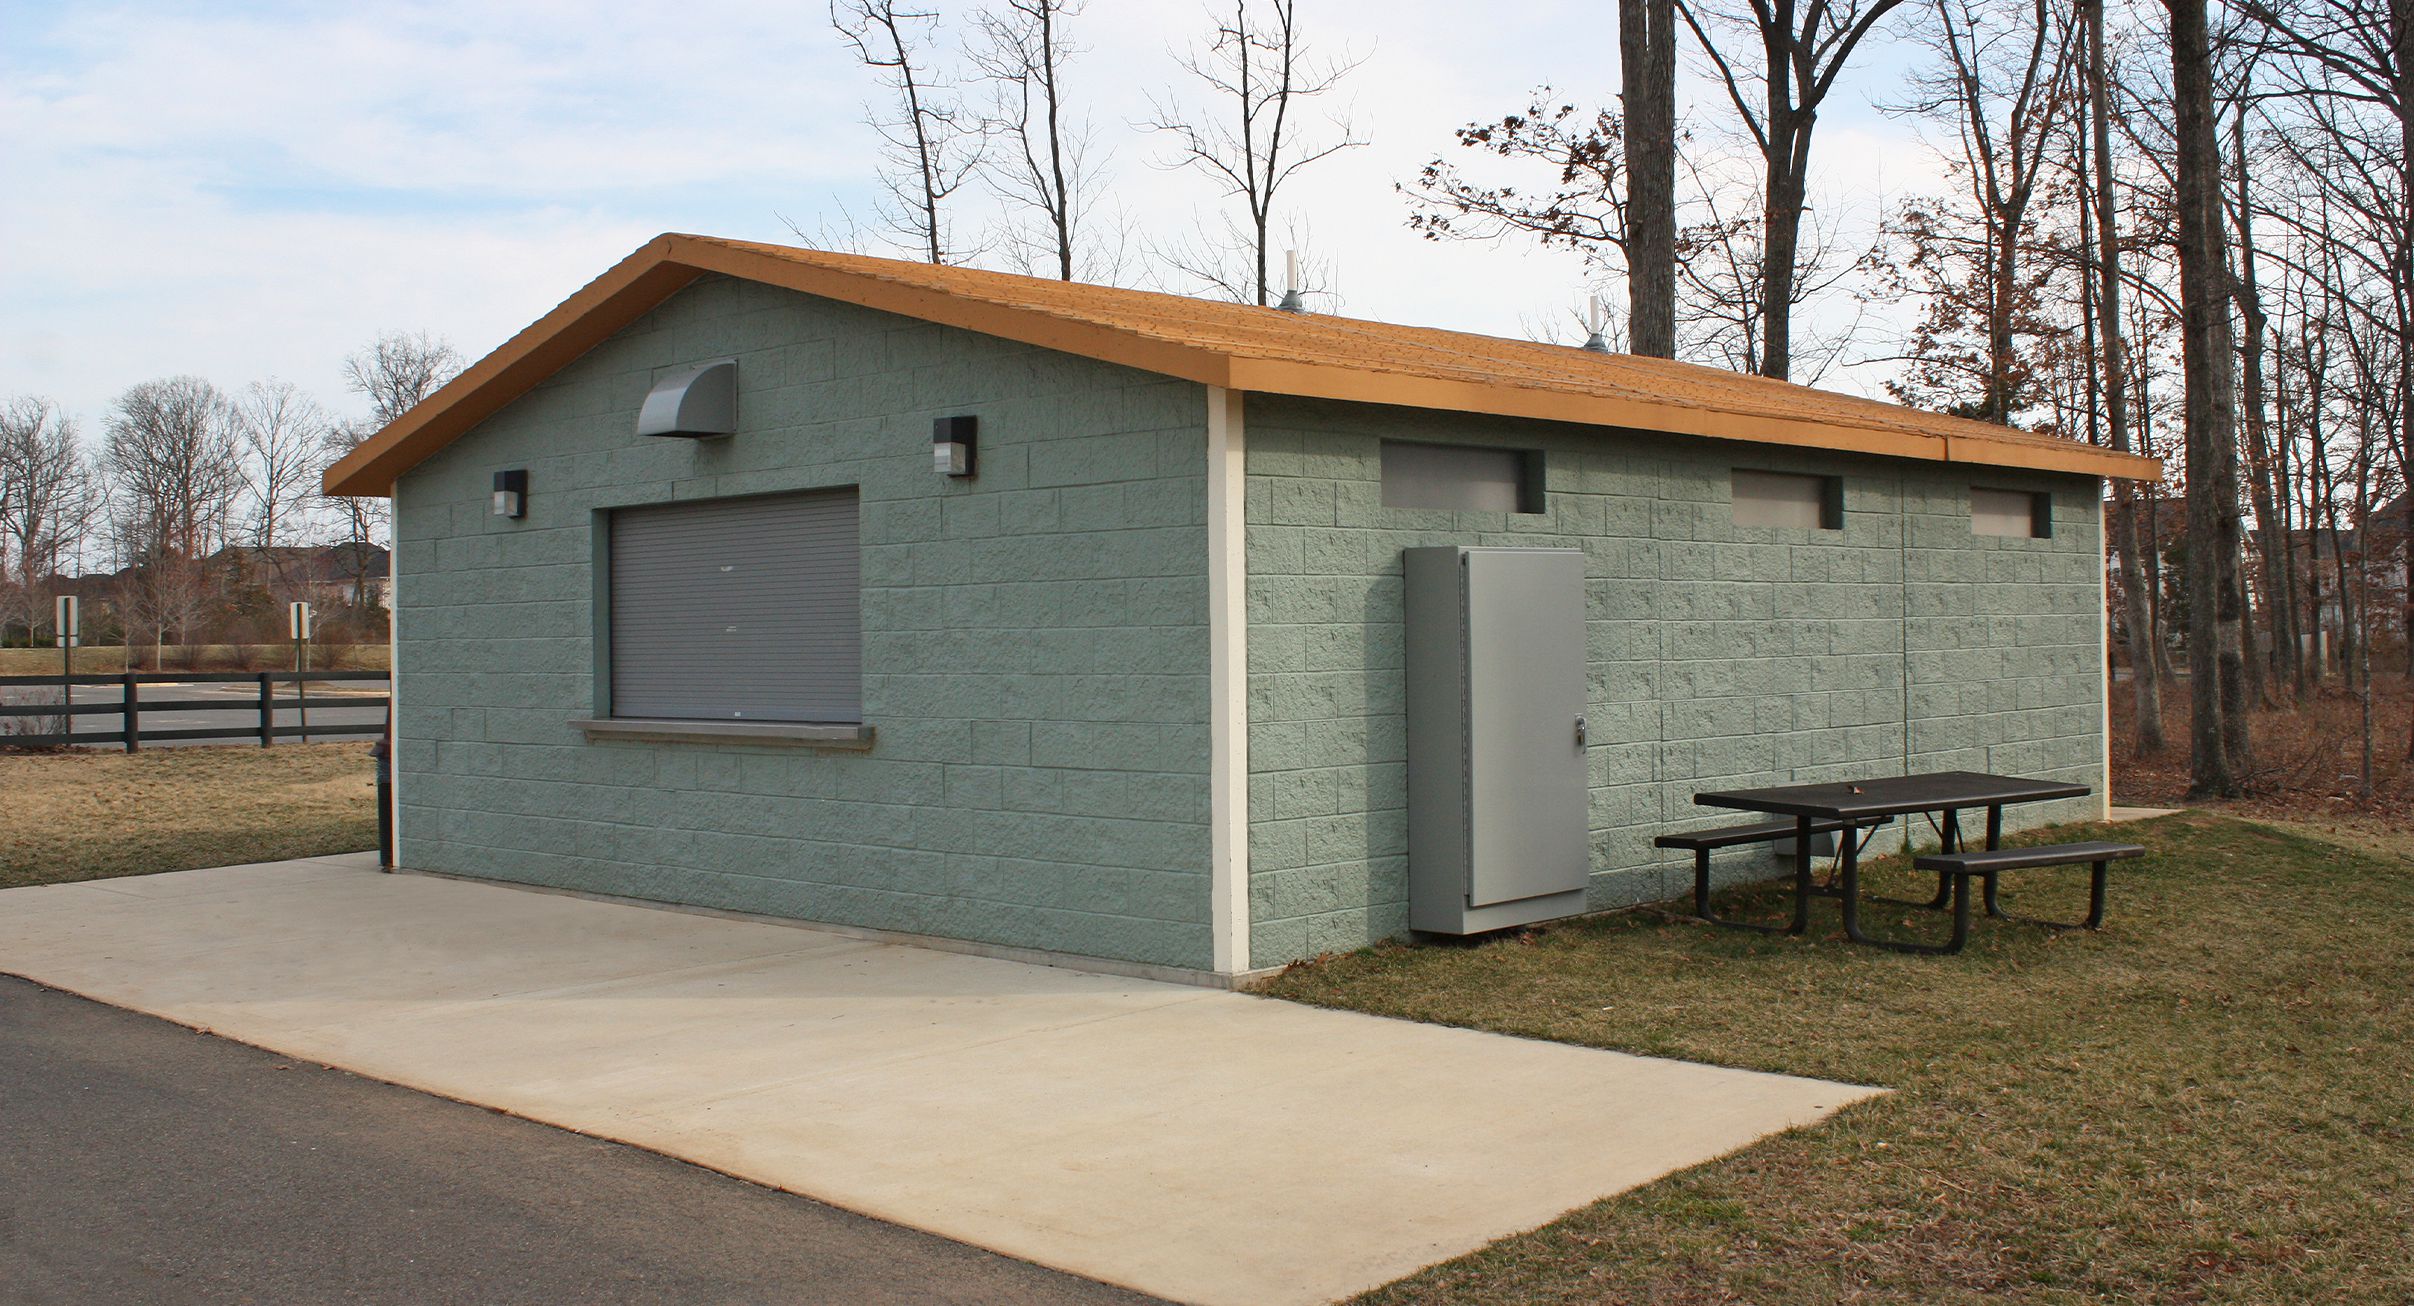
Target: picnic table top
1934,791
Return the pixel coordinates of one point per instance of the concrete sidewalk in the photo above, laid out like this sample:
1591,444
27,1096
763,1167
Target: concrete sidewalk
1198,1145
142,1164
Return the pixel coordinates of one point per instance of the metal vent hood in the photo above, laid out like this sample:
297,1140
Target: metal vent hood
697,403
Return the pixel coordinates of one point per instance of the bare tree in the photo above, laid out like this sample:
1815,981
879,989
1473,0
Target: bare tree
1722,267
1647,74
2254,412
930,145
174,476
1803,49
2144,638
2002,84
398,370
1258,73
1584,208
45,499
1045,169
171,456
1718,310
2218,729
2349,66
283,433
2372,405
395,374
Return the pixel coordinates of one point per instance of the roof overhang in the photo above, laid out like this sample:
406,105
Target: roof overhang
667,264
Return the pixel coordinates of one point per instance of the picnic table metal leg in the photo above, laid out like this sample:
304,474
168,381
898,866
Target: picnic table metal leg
1944,883
1948,838
1994,826
1852,913
2095,904
1802,875
1701,902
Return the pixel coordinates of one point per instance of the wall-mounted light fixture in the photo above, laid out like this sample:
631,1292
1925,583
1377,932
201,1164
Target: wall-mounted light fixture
511,493
953,445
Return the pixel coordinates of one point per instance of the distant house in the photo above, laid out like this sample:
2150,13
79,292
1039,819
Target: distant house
1053,618
2327,558
324,574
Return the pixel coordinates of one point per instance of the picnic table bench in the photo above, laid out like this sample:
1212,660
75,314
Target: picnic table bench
1845,807
1704,842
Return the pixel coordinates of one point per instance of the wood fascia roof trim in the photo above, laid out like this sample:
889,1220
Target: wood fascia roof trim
603,306
665,265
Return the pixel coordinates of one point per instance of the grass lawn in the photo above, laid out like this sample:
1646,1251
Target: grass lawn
2212,1100
91,815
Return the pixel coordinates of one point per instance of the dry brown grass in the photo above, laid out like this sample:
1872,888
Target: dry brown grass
2206,1102
93,815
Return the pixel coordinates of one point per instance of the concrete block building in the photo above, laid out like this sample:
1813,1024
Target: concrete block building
1051,619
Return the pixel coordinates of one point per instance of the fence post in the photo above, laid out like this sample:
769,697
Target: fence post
130,713
268,710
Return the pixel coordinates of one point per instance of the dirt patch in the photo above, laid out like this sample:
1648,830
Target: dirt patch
2308,760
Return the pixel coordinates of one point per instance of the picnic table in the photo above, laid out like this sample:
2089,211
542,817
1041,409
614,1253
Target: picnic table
1847,808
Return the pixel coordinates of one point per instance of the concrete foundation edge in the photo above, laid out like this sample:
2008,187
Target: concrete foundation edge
1139,970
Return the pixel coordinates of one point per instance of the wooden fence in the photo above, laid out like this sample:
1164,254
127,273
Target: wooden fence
251,717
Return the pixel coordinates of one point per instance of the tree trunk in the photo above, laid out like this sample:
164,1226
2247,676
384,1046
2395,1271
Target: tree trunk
1789,151
2363,604
2004,271
2216,662
2282,534
1060,213
2401,19
1647,62
2260,471
2145,675
2401,44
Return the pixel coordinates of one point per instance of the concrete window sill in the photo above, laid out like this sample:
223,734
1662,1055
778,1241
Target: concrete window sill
783,734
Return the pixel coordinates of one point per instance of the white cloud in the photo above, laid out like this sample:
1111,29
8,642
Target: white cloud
242,191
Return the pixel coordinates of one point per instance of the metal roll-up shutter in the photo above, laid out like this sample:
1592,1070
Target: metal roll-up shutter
738,609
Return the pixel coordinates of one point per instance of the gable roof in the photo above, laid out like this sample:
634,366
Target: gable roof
1236,346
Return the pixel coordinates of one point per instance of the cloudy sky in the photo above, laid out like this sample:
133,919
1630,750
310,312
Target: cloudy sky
245,190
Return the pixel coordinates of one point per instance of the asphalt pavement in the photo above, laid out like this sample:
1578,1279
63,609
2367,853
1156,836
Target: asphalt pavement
143,1162
234,708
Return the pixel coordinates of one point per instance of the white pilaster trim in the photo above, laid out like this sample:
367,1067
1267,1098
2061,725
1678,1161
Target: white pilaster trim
394,666
2103,612
1227,683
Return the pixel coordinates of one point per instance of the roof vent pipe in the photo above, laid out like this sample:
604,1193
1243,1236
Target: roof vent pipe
1596,318
1291,302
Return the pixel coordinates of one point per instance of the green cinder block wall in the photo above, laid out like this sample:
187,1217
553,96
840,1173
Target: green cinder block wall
1719,655
1035,640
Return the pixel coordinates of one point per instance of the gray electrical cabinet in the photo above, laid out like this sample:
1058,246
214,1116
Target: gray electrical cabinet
1497,783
